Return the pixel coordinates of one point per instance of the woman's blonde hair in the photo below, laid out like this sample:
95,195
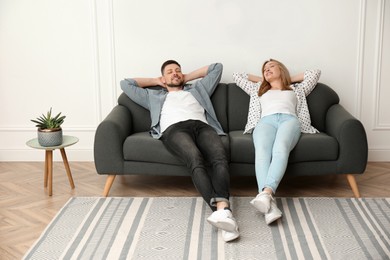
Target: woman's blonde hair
284,75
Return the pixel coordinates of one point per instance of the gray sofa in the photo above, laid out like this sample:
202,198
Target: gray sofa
123,145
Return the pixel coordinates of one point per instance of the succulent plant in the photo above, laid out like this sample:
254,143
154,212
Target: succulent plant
49,122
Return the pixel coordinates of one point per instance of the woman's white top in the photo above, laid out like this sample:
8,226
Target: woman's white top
278,101
301,90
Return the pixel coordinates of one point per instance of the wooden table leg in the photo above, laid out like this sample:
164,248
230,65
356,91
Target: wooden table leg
46,170
49,156
66,163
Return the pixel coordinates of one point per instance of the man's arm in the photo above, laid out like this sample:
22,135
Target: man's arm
211,77
135,92
196,74
149,82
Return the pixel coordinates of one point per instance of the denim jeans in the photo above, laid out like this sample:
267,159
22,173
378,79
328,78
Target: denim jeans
274,137
199,145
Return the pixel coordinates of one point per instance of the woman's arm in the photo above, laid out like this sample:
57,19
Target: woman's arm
310,79
254,78
249,85
297,78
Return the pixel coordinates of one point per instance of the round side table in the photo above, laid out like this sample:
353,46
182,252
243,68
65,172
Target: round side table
48,177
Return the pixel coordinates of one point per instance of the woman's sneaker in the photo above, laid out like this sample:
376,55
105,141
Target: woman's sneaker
223,219
273,214
262,202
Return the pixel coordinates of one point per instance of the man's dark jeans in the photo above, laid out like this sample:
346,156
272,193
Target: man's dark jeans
199,145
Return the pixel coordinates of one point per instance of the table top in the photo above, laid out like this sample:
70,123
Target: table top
67,140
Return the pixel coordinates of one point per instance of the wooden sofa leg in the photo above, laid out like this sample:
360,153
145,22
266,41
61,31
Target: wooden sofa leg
109,182
352,182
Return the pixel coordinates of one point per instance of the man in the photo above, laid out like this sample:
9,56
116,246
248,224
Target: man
183,118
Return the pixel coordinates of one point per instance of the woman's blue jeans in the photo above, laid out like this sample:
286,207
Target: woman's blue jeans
274,137
199,145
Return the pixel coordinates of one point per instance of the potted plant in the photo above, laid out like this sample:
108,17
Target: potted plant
49,129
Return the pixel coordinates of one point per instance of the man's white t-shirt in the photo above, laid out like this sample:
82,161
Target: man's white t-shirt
180,106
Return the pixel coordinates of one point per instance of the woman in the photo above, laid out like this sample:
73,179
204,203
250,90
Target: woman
278,113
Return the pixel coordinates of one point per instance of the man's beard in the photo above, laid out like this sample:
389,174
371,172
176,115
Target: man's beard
176,85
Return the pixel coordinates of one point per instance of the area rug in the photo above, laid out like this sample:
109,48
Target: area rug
176,228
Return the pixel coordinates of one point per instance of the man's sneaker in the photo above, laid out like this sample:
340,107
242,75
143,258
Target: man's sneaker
223,219
229,236
273,214
262,202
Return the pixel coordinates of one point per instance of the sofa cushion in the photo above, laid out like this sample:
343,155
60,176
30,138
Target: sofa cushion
144,148
310,147
315,147
241,147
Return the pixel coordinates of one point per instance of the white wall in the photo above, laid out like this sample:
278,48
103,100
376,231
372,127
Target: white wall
71,55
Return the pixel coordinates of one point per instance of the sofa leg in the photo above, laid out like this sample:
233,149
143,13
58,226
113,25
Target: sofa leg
109,182
352,182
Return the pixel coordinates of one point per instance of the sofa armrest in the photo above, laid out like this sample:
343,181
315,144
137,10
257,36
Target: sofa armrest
109,138
352,139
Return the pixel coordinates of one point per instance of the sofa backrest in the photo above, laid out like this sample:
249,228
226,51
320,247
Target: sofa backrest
220,103
231,106
238,107
319,101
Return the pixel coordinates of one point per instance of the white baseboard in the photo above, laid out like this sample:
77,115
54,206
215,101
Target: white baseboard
378,155
35,155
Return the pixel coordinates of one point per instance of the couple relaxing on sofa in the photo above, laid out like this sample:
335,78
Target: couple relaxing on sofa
183,118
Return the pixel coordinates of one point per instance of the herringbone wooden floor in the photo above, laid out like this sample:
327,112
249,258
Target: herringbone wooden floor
26,209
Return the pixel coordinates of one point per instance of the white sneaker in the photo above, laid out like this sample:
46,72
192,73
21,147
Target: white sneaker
273,214
262,202
223,219
229,236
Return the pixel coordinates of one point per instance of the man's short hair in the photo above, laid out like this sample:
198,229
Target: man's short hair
168,62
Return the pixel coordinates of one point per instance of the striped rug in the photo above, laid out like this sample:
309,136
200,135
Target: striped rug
176,228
